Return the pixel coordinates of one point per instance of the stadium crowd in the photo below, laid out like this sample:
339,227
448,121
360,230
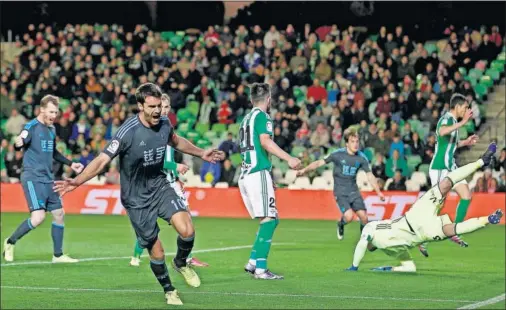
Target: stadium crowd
323,81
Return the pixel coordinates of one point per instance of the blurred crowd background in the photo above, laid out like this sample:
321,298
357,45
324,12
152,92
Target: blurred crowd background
324,79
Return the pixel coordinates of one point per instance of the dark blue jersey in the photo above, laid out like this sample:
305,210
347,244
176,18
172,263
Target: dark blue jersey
141,152
39,147
346,167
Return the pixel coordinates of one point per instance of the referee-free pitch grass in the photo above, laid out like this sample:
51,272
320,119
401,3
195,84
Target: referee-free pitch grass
307,253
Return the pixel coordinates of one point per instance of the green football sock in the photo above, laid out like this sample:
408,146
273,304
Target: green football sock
263,243
253,254
462,210
138,250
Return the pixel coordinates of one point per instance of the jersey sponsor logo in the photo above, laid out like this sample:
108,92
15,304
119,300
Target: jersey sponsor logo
113,147
154,156
24,134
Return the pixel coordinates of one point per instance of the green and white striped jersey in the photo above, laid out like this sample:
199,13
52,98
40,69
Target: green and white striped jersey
444,156
172,174
254,157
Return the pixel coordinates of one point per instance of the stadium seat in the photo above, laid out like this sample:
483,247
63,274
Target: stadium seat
290,176
320,183
494,74
328,175
487,81
219,128
294,187
201,128
183,127
430,48
167,35
413,161
205,185
372,110
424,168
297,151
415,124
275,161
412,186
362,178
497,65
221,185
277,174
210,135
475,73
463,71
236,159
203,143
183,115
303,182
283,166
369,153
470,128
419,177
234,129
193,107
193,135
481,91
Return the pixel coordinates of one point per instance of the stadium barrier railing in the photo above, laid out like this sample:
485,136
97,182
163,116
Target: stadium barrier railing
223,203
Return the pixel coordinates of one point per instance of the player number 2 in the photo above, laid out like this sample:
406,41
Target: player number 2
272,203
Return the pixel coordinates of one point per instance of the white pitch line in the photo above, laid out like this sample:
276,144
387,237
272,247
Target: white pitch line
483,303
231,294
91,259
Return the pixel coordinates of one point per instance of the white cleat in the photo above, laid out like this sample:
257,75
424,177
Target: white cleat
8,252
172,298
135,262
64,259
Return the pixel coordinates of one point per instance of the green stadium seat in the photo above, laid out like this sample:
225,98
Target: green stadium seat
201,128
236,159
283,166
374,37
483,109
210,135
481,90
297,150
470,128
463,71
193,135
498,65
275,161
475,73
424,168
167,35
472,80
369,153
184,127
413,161
487,81
183,115
463,133
430,47
372,110
234,129
191,121
502,56
193,107
494,74
203,143
219,128
415,124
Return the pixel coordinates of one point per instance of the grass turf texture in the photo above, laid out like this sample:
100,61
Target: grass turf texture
306,252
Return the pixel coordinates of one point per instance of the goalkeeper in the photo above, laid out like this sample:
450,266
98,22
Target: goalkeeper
421,222
172,170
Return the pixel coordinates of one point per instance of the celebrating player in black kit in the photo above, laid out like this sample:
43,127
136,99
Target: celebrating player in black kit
145,192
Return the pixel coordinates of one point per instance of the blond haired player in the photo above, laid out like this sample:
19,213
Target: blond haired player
421,223
255,183
447,133
173,171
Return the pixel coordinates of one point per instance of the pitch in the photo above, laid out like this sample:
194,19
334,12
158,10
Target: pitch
307,253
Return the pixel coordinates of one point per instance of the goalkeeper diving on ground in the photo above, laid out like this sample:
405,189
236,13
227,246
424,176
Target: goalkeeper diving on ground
421,222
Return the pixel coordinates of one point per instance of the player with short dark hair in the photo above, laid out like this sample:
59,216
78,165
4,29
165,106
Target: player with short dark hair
38,139
347,161
146,193
421,223
443,162
173,170
255,182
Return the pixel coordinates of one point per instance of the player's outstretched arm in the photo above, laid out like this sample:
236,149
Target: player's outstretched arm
471,140
185,146
360,250
312,166
271,147
96,166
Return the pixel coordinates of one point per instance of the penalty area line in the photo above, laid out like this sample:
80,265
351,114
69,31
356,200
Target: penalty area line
33,288
486,302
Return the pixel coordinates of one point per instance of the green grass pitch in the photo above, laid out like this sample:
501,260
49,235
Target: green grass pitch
307,253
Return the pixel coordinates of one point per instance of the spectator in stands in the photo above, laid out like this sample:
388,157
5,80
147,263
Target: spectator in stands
298,60
271,35
228,173
381,144
14,166
501,161
320,137
416,145
86,155
316,91
15,123
395,163
398,183
397,145
323,71
302,135
502,183
378,166
229,146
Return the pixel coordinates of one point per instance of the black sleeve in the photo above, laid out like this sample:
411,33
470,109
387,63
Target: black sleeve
60,158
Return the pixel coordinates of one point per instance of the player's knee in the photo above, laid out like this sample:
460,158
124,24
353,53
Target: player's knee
348,217
58,216
445,186
187,232
37,217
